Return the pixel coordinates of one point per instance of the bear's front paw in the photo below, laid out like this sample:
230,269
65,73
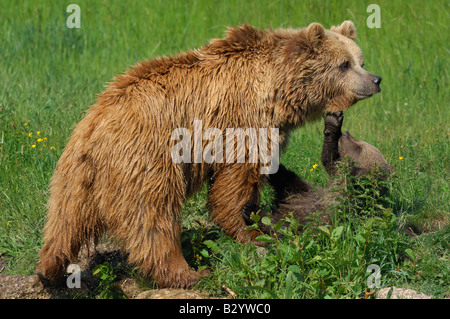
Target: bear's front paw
333,123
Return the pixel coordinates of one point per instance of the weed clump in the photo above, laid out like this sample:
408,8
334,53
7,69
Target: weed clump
319,260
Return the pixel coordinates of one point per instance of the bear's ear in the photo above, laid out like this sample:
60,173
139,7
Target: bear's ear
347,29
315,33
307,42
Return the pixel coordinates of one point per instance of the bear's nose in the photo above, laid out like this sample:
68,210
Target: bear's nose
377,80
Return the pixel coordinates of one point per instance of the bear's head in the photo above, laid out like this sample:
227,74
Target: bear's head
328,65
365,155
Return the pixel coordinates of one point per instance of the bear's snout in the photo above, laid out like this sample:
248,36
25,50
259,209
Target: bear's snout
377,80
367,85
347,135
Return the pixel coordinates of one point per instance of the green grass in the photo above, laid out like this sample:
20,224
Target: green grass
51,74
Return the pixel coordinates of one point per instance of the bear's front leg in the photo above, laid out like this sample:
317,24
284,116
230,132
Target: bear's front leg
332,134
234,186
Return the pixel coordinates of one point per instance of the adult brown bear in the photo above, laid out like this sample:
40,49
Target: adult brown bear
117,174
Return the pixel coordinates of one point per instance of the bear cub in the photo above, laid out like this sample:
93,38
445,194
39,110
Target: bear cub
337,148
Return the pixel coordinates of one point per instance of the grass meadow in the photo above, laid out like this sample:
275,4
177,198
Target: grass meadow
50,74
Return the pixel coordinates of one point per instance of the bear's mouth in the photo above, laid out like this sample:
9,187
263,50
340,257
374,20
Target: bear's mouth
362,96
366,93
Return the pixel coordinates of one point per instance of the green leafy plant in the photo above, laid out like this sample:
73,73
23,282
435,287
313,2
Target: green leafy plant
323,260
107,276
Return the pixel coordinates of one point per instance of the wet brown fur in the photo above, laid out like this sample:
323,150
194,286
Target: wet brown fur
116,174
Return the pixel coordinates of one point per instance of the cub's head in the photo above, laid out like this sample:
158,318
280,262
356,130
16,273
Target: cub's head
331,64
366,156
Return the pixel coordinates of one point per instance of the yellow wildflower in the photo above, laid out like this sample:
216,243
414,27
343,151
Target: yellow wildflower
40,139
33,146
52,148
400,157
315,166
38,132
30,134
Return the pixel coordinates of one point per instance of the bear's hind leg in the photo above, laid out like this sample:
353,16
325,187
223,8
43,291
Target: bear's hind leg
64,234
155,247
152,233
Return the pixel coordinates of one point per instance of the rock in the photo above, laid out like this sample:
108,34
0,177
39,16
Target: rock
400,293
169,293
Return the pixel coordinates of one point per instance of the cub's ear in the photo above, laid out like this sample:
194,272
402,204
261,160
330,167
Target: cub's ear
315,33
347,29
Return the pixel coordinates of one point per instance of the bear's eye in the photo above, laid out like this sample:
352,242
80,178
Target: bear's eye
362,65
358,149
344,66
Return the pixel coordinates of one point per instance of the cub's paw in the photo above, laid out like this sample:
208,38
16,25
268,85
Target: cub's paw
333,123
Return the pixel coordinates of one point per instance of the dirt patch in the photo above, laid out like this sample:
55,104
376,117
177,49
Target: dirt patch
400,293
30,287
23,287
171,294
125,284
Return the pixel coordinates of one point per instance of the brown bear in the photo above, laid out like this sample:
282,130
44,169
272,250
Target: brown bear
337,149
117,174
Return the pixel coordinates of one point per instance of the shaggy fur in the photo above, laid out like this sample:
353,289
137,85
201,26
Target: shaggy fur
309,204
116,174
